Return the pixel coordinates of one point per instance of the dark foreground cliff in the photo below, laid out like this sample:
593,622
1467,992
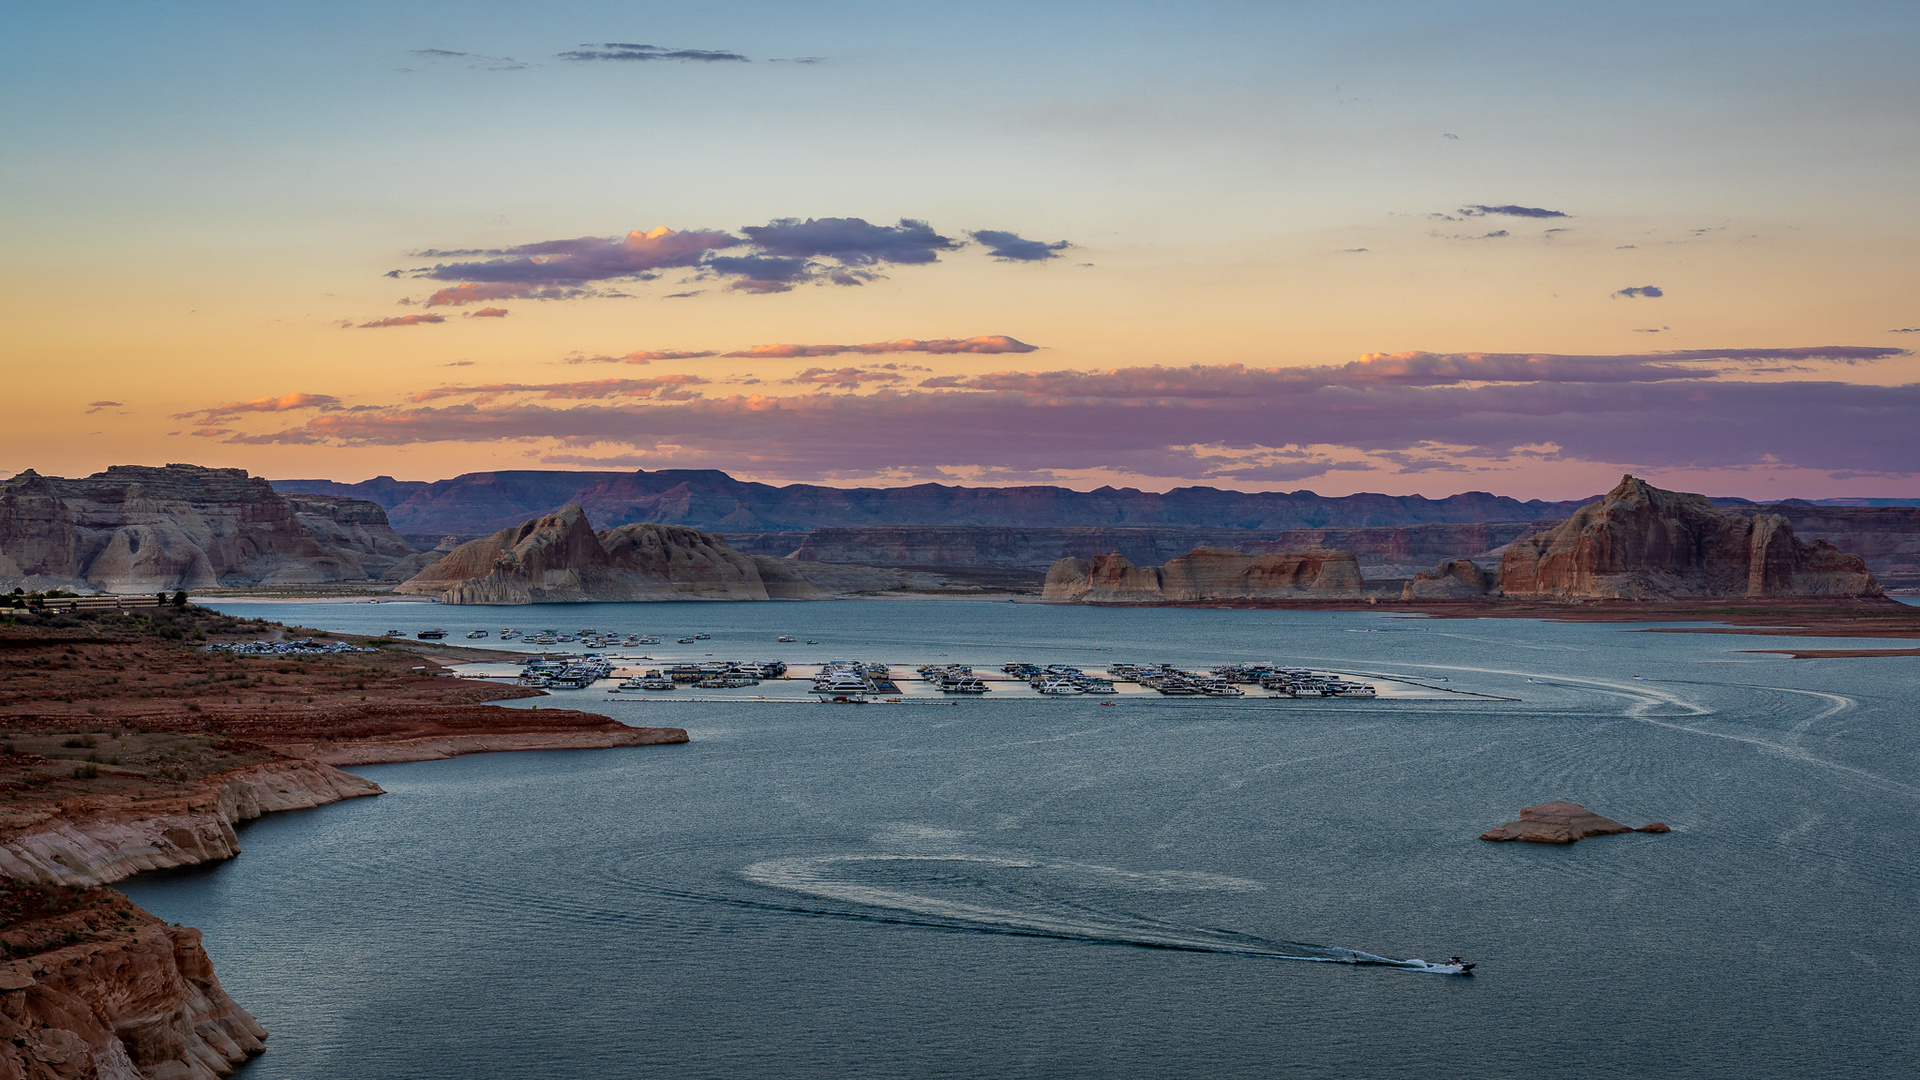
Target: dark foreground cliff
92,986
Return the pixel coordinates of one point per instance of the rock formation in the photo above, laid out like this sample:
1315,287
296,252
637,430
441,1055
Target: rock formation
560,558
1562,823
140,529
1207,573
97,987
1455,579
1642,543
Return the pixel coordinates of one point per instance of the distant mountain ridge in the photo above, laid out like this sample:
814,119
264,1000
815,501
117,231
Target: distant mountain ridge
707,499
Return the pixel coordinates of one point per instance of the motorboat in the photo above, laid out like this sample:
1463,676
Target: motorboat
1455,966
703,637
685,641
784,637
431,635
476,633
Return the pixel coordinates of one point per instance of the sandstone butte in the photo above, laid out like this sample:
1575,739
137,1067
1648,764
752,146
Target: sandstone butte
129,749
1562,823
135,529
1208,573
560,558
1640,542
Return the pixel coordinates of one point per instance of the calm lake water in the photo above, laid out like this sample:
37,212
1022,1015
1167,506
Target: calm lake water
1052,888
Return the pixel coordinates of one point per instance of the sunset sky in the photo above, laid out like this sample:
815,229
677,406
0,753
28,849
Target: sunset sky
1401,247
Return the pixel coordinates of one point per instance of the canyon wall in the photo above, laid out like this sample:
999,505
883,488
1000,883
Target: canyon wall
140,529
1640,542
1395,550
1207,573
713,501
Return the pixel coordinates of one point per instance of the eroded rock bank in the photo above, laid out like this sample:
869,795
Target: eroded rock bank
96,987
96,839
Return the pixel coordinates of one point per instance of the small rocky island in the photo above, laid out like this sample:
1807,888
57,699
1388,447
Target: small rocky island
1562,823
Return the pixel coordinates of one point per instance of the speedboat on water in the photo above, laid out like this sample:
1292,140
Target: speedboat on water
1456,966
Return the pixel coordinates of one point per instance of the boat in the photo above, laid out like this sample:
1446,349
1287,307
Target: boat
1456,966
811,641
396,633
431,635
703,637
476,633
784,637
1060,687
686,641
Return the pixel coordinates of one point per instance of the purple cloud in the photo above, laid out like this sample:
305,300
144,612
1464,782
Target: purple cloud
1650,292
1510,210
621,50
1012,247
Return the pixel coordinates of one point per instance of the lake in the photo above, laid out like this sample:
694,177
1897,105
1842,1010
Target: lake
1159,888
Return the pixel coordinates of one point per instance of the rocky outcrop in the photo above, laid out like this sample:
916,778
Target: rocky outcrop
1562,823
106,838
1640,542
1455,579
140,529
98,987
560,558
1207,573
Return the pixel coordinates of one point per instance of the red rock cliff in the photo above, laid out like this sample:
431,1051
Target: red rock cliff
1640,542
1208,573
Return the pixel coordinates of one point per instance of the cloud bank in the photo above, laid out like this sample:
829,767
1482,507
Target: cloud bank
1414,411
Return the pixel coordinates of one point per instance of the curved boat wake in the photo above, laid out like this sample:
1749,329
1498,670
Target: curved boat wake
887,902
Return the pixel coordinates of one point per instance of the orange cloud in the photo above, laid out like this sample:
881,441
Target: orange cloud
488,313
663,387
985,344
283,403
403,320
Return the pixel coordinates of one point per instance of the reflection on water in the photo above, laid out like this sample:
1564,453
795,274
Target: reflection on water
819,891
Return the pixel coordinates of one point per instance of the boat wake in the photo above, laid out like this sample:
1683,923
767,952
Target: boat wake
902,889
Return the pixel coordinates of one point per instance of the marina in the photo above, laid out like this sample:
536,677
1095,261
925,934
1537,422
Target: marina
615,678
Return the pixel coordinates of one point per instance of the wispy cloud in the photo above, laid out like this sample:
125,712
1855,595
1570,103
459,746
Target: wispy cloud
96,406
664,387
643,356
283,403
472,60
1012,247
846,378
404,320
627,51
487,313
1634,292
1511,210
985,344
